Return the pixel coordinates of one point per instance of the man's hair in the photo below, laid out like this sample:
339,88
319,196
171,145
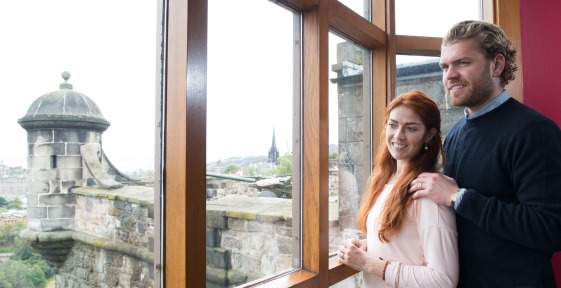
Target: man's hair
492,41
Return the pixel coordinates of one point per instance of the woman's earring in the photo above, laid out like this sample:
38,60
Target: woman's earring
426,146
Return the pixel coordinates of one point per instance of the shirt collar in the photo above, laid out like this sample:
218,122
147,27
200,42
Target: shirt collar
496,102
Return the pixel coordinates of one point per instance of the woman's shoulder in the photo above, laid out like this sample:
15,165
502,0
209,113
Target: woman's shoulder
427,214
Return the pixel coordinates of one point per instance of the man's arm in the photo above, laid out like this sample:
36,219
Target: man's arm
535,220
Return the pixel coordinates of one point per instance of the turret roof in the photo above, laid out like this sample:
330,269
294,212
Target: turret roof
64,108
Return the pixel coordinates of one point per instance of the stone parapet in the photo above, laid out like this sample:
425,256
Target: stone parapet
251,237
125,214
107,243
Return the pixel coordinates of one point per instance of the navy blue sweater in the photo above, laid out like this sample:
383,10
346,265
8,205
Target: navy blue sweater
509,219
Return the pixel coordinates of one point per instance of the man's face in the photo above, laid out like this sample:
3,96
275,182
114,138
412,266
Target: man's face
466,74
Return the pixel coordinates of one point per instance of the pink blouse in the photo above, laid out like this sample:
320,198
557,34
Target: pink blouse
425,251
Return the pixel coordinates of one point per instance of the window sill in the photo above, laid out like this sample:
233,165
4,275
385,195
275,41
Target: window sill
339,272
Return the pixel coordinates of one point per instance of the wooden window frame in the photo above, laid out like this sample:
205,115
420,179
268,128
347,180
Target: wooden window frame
183,261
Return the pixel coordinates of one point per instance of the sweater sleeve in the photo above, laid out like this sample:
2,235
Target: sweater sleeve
439,266
533,217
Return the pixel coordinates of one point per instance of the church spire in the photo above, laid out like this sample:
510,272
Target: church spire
274,151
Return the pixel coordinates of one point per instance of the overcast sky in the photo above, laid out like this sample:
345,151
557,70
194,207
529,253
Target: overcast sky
110,50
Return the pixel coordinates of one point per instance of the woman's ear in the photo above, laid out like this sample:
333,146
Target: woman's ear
430,134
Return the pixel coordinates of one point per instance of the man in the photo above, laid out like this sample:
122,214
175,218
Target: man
502,171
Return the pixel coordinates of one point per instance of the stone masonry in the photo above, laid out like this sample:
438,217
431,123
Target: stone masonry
84,216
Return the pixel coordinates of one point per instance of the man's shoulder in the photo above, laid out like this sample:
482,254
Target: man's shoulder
526,117
517,109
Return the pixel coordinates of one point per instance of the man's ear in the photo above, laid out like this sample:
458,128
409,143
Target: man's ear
498,65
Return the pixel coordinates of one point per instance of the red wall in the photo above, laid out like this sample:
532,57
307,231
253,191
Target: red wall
541,58
541,63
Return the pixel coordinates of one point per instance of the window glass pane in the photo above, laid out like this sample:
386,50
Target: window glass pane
349,139
424,73
252,165
362,8
57,174
432,17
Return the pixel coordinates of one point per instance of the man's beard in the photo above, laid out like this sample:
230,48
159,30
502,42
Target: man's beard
480,91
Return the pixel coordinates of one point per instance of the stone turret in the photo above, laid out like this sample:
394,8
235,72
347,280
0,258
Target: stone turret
58,124
85,218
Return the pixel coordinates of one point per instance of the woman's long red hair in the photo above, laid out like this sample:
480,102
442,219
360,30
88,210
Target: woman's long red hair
394,211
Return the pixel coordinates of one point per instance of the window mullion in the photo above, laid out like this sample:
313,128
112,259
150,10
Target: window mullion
315,226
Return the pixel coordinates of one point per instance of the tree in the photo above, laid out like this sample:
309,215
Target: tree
231,168
251,171
14,203
285,165
9,233
37,276
16,274
43,265
26,268
23,252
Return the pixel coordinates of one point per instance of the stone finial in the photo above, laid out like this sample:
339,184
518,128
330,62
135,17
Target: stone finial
65,75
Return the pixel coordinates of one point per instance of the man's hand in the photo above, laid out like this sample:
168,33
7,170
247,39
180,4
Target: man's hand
436,186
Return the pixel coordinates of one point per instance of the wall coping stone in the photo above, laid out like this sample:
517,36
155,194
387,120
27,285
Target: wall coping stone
141,195
267,209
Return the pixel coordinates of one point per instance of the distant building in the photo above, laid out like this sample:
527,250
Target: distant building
12,218
4,257
274,151
13,181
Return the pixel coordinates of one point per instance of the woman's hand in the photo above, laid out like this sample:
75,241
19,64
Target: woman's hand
352,253
362,244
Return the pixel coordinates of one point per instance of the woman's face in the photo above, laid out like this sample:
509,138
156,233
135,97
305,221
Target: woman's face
405,133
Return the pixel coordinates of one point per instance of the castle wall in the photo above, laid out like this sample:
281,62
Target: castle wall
114,236
247,238
112,241
251,237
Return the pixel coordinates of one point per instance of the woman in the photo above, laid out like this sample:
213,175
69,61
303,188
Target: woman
410,243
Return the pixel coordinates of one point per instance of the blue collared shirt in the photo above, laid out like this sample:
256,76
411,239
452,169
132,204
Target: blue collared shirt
496,102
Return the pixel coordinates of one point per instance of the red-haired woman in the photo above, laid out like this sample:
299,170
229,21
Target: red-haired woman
409,243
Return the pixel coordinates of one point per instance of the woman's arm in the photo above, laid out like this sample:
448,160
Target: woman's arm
437,232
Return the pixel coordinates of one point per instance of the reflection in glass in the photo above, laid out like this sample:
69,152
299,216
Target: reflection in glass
424,73
252,156
349,140
432,17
